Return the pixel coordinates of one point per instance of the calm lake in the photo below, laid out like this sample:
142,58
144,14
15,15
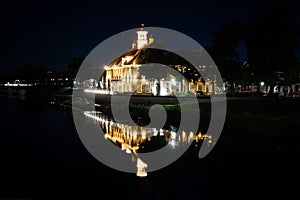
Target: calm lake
44,158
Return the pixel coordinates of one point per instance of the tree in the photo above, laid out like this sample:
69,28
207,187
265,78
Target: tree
74,66
272,41
224,50
32,72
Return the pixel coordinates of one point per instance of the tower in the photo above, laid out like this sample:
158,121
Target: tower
142,39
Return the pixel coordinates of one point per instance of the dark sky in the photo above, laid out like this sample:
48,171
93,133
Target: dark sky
51,33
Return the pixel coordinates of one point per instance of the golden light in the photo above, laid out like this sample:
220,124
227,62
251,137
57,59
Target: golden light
141,168
143,133
183,136
190,137
173,135
128,151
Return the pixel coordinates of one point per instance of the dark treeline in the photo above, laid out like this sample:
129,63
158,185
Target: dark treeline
34,72
269,43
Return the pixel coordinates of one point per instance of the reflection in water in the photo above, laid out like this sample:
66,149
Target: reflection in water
141,168
135,139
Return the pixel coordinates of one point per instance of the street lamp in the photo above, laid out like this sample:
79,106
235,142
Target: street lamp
262,83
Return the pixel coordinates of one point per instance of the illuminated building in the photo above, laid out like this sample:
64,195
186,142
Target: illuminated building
124,75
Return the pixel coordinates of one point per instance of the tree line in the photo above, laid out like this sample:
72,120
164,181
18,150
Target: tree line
269,41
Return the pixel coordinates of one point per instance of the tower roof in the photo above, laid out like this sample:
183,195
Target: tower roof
142,26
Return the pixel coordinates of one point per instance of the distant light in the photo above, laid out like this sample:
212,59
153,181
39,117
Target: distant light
66,79
15,84
262,83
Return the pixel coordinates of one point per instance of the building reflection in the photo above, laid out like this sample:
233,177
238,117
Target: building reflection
135,139
141,168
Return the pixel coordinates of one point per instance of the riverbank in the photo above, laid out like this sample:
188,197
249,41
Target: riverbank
265,120
249,115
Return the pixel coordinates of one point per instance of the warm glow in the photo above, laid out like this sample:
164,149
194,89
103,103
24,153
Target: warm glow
95,91
128,151
183,136
142,39
191,137
126,59
123,76
141,168
173,135
131,138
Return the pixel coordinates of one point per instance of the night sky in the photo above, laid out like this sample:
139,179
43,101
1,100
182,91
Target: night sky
51,33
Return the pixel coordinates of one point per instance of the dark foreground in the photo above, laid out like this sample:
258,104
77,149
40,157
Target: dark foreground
257,156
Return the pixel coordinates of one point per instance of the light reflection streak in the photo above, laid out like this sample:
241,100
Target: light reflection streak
132,138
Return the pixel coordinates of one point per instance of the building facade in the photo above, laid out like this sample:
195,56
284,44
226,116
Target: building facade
124,75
